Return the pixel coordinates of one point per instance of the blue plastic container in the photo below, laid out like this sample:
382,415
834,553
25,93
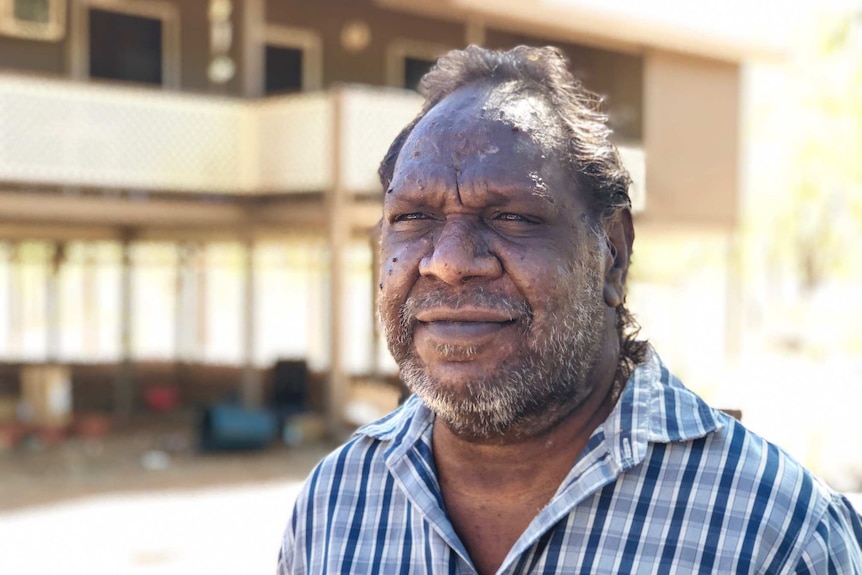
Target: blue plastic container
230,427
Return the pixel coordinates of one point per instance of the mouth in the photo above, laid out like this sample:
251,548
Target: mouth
465,315
467,326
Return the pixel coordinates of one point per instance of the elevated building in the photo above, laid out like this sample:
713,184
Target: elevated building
194,181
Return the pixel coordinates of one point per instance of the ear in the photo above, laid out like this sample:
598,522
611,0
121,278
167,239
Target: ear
620,235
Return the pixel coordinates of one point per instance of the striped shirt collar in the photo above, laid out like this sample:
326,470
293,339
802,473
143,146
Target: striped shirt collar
654,407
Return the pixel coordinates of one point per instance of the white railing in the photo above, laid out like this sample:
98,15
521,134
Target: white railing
59,132
371,118
67,133
293,146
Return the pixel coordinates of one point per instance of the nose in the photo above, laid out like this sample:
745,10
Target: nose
460,253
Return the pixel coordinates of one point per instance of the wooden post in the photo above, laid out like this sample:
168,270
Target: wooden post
52,304
124,391
252,50
200,302
252,396
338,210
179,288
90,297
15,302
184,307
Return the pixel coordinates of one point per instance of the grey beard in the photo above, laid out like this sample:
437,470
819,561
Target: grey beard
530,390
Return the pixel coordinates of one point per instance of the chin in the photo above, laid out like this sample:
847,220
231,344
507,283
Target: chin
508,402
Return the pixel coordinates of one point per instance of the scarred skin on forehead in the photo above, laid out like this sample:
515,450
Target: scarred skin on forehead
506,106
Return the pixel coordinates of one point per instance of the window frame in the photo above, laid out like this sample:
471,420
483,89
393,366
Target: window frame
53,30
166,12
400,49
305,40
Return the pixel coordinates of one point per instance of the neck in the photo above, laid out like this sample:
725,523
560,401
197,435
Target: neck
511,463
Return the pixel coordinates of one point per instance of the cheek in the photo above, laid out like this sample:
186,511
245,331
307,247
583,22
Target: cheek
532,271
541,277
399,267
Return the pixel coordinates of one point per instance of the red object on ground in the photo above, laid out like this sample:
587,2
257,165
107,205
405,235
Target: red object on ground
51,435
11,435
161,398
92,425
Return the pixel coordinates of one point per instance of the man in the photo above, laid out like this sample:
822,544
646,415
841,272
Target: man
542,436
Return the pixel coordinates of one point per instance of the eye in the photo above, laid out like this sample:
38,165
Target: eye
412,216
509,217
514,224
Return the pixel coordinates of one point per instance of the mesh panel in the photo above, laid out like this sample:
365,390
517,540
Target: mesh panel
371,120
55,132
294,143
64,133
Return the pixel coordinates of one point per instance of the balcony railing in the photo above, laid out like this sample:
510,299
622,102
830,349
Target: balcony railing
62,133
59,132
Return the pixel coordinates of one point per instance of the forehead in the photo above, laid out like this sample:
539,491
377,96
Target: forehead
499,131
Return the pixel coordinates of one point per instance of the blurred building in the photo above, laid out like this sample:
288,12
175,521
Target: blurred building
194,181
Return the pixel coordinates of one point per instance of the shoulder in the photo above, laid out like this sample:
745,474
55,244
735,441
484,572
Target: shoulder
836,543
353,477
757,506
800,516
372,443
760,505
359,466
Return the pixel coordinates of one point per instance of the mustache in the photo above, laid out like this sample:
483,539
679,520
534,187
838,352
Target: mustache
470,297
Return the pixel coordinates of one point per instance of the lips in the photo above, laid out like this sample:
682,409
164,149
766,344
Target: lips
468,326
464,315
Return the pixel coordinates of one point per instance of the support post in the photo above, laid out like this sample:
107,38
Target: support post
184,308
15,302
252,50
52,304
124,391
252,396
200,302
338,209
90,297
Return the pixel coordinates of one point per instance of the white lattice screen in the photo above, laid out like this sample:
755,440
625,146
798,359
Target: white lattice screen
57,132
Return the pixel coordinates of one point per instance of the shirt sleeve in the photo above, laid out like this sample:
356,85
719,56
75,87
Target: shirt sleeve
285,553
836,544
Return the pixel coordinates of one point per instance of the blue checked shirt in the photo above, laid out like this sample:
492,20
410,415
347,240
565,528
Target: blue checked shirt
665,485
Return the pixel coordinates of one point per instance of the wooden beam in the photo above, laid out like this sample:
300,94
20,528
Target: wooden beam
53,216
120,210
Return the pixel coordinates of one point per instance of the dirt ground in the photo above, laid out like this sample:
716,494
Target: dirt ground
145,455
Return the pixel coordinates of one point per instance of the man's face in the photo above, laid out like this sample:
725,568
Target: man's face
492,277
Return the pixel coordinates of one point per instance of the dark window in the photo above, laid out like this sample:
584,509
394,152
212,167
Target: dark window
124,47
414,69
37,11
283,69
